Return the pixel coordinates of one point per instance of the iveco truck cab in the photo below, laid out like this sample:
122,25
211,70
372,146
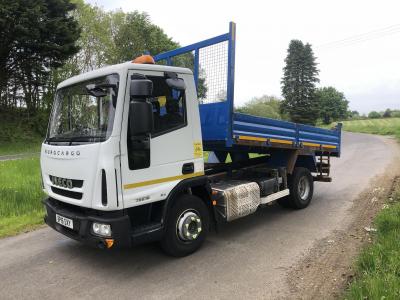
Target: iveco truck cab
123,163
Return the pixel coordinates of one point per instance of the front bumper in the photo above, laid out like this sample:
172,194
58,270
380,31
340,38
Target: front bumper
82,224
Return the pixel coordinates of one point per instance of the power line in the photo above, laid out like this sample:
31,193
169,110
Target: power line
359,38
396,26
362,39
359,41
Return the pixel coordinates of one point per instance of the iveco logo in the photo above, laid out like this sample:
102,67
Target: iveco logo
62,153
62,182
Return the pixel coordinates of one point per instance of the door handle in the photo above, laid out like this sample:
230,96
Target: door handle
188,168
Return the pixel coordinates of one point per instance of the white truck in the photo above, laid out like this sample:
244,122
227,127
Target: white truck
123,163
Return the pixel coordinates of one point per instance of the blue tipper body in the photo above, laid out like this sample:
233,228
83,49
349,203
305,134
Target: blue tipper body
222,128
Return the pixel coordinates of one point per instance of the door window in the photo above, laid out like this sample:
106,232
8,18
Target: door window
169,107
169,114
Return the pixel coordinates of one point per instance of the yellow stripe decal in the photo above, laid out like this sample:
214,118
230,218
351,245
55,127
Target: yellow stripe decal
252,138
161,180
329,146
261,139
311,144
281,141
318,145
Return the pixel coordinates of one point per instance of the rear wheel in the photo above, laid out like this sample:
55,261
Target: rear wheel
301,186
187,226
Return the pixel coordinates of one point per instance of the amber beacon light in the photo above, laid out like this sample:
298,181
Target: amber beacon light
144,59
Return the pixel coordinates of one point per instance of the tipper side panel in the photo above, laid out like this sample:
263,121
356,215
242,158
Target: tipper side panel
271,132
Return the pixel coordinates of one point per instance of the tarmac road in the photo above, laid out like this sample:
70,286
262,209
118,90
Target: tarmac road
248,258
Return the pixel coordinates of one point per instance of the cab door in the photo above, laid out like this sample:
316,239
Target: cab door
150,177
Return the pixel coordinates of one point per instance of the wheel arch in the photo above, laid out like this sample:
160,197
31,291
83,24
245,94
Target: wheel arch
291,159
307,162
197,186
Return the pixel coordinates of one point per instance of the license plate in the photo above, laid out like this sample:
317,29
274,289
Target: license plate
64,221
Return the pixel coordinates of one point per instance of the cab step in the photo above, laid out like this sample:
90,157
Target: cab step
146,233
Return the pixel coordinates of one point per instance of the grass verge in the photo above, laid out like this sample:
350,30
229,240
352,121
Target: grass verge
20,196
20,147
384,126
378,266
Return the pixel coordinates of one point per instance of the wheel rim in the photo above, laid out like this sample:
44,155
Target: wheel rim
188,226
304,188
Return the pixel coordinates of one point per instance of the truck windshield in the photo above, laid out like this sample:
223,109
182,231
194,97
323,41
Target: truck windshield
84,112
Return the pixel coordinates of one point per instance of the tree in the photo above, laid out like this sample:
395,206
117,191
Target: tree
36,37
387,113
298,84
41,45
332,104
264,106
114,37
374,115
135,34
354,114
95,45
395,113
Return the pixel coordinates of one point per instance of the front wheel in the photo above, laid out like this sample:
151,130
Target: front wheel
301,186
187,226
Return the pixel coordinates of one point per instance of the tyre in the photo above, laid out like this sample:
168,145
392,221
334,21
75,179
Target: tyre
187,226
301,186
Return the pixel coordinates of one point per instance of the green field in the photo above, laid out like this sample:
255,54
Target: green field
386,126
20,196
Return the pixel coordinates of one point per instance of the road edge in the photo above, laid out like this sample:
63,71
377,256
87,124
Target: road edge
325,271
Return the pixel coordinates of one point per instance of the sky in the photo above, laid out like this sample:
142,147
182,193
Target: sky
365,67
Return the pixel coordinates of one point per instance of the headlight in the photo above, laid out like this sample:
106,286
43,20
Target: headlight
101,229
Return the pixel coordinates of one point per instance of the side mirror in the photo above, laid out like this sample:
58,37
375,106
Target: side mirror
141,88
140,118
176,83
